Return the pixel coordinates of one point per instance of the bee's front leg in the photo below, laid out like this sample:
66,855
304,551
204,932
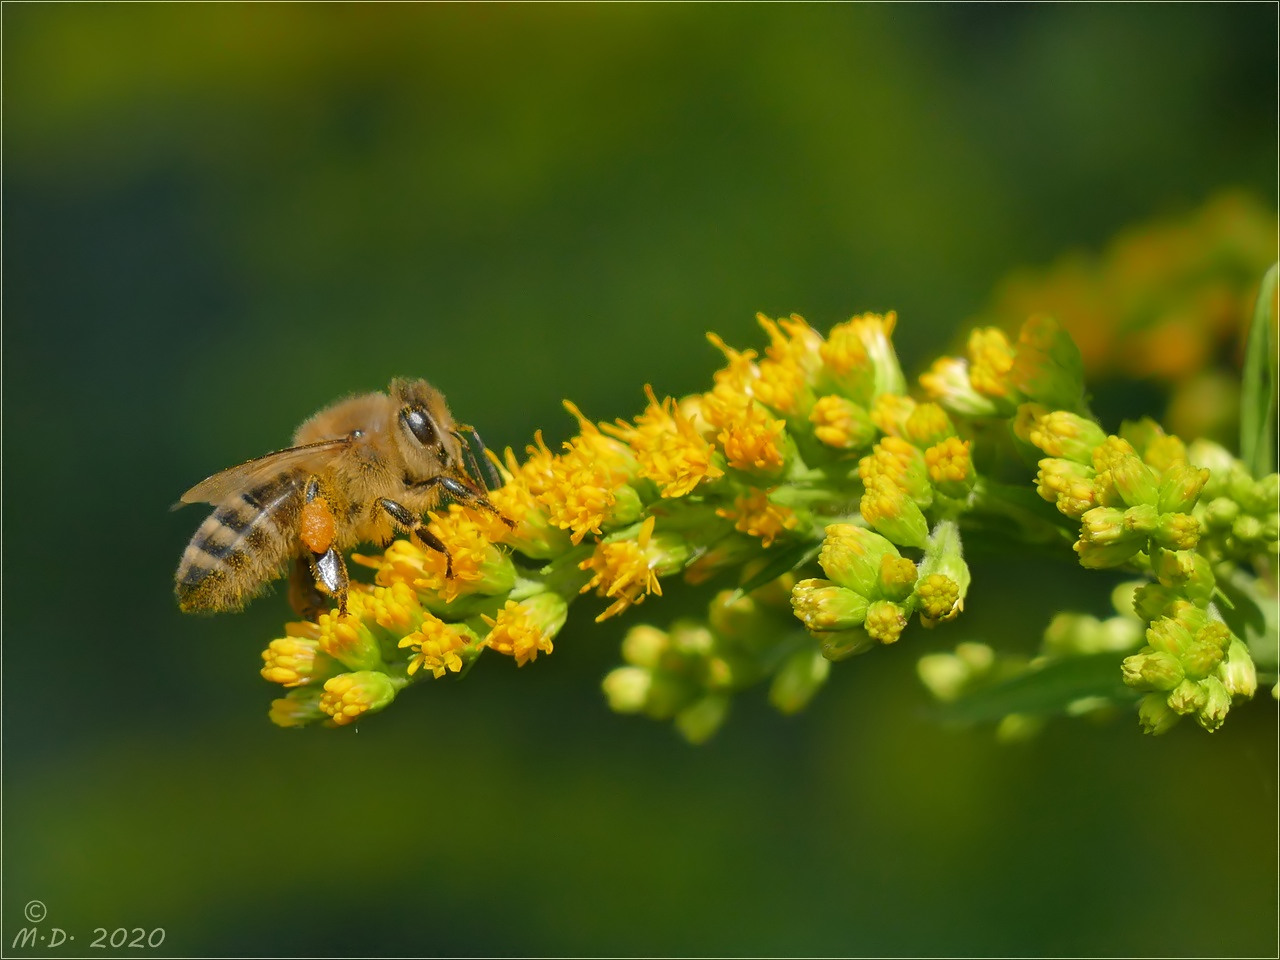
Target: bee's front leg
317,529
464,493
402,517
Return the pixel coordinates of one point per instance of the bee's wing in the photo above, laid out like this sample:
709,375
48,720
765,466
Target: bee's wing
251,473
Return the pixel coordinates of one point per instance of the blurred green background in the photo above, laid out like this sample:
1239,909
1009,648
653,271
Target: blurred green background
220,217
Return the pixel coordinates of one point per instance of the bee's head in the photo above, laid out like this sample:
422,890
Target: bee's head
424,429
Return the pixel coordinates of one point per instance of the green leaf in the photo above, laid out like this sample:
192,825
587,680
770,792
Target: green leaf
1046,689
784,560
1258,393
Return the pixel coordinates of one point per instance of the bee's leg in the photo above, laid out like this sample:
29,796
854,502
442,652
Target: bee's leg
465,493
330,571
317,529
304,596
402,517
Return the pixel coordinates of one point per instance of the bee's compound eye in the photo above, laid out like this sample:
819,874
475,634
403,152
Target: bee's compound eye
420,425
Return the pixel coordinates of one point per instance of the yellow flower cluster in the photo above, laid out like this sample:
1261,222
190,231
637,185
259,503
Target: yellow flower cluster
834,498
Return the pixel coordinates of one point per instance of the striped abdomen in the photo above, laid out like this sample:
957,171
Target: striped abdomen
245,543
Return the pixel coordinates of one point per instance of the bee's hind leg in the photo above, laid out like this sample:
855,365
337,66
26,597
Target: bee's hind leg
316,530
402,517
330,572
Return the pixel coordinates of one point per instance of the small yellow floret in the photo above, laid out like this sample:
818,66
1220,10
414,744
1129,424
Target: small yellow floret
668,447
751,439
436,646
478,565
581,495
755,515
624,570
523,630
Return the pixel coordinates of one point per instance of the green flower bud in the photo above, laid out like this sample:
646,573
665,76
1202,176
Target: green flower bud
1019,727
1116,634
1219,462
1078,634
1206,651
668,693
1247,529
1180,487
799,678
1134,482
948,675
741,621
1187,571
1220,513
1155,715
897,577
1056,476
699,721
850,556
1217,704
1067,435
627,508
644,645
1188,697
843,644
1177,531
690,638
893,514
944,576
1143,519
297,708
1152,601
1103,526
1123,596
824,606
627,688
1169,636
1261,496
1152,671
1237,672
1095,557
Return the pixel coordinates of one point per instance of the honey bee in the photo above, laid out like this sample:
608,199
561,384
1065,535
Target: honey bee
359,471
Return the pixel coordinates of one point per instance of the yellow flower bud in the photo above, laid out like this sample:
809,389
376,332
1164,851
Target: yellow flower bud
349,696
841,423
885,621
950,468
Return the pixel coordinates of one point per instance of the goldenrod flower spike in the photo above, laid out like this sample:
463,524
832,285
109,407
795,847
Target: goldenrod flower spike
837,500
